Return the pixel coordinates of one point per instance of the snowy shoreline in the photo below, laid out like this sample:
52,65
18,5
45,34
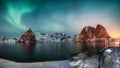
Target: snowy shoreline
50,64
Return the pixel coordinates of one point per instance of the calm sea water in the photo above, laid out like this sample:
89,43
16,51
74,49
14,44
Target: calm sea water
38,52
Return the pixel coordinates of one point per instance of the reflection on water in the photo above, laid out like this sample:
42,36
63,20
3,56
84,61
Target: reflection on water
97,46
90,47
47,51
29,48
39,51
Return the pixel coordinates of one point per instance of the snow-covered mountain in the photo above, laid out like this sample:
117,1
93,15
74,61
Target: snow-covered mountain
41,37
8,40
55,37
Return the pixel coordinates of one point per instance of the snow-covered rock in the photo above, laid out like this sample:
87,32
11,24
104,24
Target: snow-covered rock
107,58
110,58
42,37
83,61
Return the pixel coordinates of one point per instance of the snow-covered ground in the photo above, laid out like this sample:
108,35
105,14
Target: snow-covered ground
49,64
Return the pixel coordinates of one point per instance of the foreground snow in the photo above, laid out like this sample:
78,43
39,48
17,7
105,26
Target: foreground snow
52,64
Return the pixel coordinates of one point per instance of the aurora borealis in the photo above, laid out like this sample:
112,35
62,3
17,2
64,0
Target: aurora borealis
48,16
14,12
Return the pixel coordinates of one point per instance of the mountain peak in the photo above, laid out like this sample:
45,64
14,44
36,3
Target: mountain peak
28,37
89,32
29,30
101,32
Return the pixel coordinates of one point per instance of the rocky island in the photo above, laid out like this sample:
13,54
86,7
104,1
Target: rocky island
28,37
89,34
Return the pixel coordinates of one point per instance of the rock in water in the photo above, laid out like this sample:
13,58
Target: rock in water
100,32
28,37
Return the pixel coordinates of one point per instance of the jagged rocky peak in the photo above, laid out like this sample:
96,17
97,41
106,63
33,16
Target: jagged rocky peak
56,37
28,37
90,33
101,32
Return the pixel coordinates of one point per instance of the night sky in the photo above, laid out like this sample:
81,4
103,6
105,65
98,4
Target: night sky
49,16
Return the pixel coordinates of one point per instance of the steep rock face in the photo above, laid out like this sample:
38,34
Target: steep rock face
29,37
86,33
90,33
100,32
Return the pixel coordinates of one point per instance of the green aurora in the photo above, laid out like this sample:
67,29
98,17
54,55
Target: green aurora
15,11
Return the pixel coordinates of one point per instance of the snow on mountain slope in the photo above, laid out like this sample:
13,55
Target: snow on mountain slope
55,37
